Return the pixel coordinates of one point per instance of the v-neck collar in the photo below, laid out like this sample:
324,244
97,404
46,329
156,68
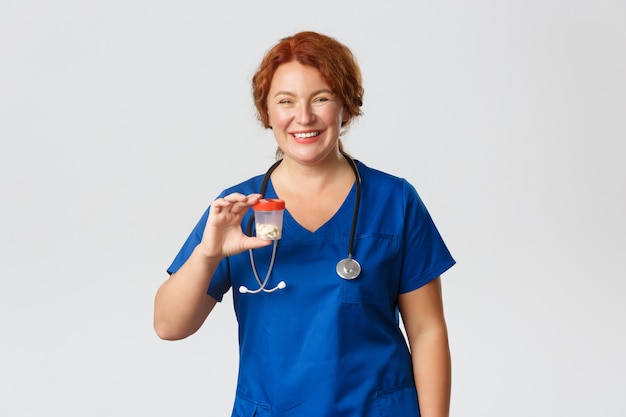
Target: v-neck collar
342,218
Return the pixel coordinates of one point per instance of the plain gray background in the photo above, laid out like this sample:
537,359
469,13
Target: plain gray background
121,120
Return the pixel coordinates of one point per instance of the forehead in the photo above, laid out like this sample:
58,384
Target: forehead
295,76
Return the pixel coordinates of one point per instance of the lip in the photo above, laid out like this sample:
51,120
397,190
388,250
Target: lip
306,139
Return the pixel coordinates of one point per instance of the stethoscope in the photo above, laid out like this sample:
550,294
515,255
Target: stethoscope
347,268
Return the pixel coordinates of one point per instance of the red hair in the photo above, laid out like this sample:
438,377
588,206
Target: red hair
332,59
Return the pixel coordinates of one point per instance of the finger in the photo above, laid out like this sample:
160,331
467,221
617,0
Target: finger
254,198
219,205
235,197
240,207
241,203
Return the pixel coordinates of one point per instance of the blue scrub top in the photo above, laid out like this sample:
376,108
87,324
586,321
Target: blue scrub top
325,346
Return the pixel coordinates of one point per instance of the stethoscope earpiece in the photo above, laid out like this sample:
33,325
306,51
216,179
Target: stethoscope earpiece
244,290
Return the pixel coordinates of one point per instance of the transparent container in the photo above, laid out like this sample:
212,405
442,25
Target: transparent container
268,218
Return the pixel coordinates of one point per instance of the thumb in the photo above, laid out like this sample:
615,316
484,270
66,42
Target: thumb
256,243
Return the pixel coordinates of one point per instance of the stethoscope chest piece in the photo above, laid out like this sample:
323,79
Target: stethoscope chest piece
348,268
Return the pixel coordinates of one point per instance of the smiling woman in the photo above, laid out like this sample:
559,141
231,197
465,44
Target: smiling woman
304,113
334,62
329,339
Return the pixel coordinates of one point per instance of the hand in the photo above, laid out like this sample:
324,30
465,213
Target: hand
223,235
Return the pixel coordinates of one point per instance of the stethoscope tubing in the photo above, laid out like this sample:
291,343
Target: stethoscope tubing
347,268
243,289
357,203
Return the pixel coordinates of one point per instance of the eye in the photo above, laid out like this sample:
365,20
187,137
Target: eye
284,101
321,99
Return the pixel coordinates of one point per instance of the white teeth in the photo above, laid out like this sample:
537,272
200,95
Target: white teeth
306,135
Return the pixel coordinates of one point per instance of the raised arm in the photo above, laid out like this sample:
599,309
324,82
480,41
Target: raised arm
182,304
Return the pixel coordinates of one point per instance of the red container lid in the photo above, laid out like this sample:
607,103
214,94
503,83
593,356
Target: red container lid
269,204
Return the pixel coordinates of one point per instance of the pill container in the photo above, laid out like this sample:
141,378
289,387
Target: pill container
268,218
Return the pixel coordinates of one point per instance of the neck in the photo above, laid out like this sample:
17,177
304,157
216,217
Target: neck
302,179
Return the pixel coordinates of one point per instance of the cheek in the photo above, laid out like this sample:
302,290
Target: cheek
338,117
276,118
335,114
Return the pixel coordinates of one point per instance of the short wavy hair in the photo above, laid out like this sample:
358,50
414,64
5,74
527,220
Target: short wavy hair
331,58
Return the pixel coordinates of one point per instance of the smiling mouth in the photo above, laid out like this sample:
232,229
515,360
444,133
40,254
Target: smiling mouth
306,135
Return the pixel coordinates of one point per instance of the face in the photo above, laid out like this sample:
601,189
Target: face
304,114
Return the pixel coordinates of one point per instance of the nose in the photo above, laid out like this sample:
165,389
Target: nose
304,114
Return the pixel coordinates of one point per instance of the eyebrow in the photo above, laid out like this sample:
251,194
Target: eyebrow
288,93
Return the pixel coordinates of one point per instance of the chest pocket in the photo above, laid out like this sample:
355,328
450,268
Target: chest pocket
379,281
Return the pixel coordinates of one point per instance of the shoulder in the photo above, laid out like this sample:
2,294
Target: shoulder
397,194
251,185
384,184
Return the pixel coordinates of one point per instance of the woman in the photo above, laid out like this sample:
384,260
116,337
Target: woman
323,345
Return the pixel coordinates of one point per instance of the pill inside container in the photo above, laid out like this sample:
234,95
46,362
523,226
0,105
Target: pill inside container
268,218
